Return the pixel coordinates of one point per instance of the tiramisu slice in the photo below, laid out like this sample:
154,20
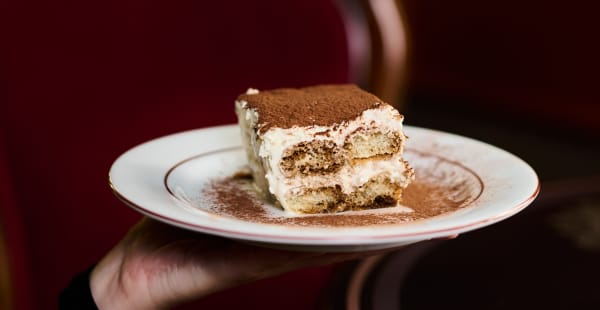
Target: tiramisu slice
322,149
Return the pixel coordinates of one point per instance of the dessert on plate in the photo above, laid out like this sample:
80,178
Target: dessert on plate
324,148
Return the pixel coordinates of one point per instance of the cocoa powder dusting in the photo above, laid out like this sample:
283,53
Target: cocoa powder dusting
234,197
322,105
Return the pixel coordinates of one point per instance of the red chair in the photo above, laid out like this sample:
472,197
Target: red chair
83,82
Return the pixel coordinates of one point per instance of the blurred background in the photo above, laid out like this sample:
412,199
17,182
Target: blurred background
82,82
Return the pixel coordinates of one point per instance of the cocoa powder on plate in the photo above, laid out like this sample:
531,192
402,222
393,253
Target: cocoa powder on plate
234,197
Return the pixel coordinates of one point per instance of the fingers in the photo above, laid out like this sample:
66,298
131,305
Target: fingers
449,237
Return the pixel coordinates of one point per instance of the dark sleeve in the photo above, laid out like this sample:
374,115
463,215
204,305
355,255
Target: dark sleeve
78,294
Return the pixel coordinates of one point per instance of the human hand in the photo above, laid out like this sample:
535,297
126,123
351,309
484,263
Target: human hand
158,266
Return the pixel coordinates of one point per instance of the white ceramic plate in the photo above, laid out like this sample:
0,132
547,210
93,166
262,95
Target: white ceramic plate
171,179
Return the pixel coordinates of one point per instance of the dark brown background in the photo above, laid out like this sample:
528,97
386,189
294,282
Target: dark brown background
83,81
